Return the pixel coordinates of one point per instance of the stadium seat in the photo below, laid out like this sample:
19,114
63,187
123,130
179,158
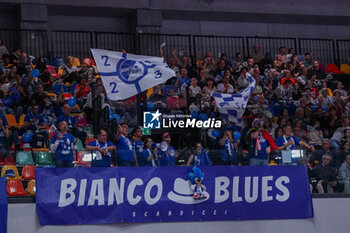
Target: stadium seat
333,68
43,158
83,158
81,120
67,95
31,188
15,188
59,88
58,61
28,172
79,145
345,68
24,158
21,120
323,68
51,69
47,61
76,61
13,168
11,120
89,140
8,160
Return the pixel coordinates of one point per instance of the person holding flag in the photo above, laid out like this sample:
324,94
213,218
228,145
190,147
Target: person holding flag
228,153
262,144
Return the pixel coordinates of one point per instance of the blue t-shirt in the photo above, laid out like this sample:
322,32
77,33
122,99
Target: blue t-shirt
105,160
39,121
202,159
183,80
142,160
71,121
255,153
167,157
138,145
102,146
125,149
281,140
228,152
64,150
5,124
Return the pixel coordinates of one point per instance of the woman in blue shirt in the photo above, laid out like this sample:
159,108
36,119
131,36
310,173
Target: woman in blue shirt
166,157
146,159
199,157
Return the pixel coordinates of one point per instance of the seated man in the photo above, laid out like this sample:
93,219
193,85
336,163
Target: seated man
326,176
325,149
35,123
126,156
344,174
103,150
72,124
289,142
63,145
70,73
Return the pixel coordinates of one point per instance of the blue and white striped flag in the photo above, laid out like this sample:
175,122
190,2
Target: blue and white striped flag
232,106
125,75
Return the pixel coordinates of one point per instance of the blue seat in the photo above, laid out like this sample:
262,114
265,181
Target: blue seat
168,88
58,61
58,88
47,61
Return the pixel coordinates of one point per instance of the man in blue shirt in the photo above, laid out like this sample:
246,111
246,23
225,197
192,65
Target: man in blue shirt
199,157
4,135
228,152
63,145
138,144
72,124
166,156
35,123
126,155
103,150
262,144
289,142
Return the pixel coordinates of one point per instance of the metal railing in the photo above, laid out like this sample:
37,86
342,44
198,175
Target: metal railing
269,44
343,50
322,50
78,43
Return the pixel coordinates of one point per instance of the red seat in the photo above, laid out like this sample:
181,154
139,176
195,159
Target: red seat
6,160
15,188
333,68
28,172
83,158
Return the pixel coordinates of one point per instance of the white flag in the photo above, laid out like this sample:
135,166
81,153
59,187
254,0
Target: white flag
232,106
125,75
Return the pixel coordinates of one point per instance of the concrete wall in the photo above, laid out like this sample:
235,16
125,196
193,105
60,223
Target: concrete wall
298,18
331,215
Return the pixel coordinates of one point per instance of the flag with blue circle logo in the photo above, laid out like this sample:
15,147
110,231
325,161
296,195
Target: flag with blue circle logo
232,106
3,205
125,75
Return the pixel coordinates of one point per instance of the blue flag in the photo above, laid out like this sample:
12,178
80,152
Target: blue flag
3,206
232,106
125,75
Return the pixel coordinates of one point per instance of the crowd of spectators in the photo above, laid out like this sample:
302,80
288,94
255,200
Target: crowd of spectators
295,105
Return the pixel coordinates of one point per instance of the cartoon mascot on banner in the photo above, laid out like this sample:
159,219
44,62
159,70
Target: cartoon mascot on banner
196,178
